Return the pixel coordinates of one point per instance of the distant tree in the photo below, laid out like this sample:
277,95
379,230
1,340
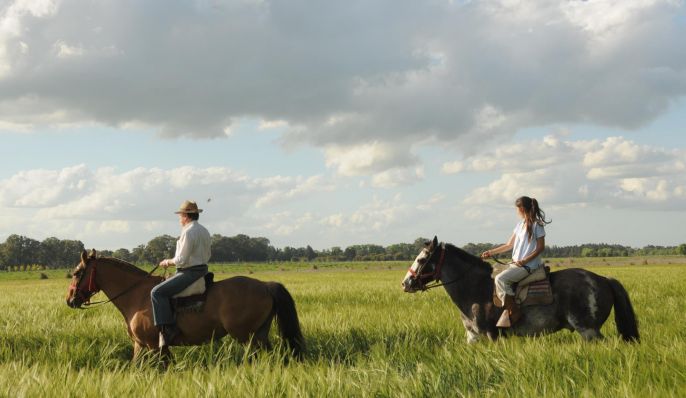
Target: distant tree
123,254
160,248
309,253
682,249
223,249
20,250
350,253
138,254
401,251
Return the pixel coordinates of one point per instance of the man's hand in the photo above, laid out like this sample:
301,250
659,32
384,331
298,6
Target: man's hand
164,263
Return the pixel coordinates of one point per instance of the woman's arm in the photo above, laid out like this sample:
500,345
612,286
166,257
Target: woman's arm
540,246
500,249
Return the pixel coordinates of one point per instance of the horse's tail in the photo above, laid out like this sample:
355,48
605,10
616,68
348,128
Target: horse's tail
625,318
287,318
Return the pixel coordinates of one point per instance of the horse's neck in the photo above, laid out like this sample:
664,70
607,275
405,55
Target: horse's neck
114,279
472,285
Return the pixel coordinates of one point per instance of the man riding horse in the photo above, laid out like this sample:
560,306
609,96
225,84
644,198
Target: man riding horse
190,260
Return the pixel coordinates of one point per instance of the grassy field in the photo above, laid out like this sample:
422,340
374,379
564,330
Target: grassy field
365,338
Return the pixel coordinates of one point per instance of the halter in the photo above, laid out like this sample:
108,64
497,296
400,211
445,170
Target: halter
433,277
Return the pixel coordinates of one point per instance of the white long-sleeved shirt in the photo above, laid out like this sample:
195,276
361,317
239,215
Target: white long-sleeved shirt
193,246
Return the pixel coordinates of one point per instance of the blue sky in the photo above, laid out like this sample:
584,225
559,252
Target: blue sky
312,126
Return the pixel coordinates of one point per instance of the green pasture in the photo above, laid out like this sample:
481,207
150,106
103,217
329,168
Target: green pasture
365,338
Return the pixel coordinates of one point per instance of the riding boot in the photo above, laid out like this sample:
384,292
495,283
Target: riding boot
511,313
167,334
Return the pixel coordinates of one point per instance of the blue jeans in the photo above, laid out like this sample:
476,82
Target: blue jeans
161,294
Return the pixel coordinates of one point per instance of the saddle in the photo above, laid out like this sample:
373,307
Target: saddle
535,289
192,298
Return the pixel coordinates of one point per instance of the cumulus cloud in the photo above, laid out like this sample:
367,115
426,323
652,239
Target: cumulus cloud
398,177
458,73
285,188
135,205
614,172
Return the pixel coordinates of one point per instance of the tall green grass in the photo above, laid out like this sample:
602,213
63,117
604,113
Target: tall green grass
365,338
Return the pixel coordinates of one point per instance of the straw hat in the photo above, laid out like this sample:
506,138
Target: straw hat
188,206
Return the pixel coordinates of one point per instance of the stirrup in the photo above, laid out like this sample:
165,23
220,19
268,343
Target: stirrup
504,321
167,335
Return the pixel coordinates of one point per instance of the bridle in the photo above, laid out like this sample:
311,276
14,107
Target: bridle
93,288
83,294
430,280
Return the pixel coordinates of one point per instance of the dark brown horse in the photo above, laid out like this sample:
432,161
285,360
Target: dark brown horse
240,306
582,299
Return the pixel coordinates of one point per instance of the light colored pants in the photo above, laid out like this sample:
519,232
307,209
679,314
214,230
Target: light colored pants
162,293
505,279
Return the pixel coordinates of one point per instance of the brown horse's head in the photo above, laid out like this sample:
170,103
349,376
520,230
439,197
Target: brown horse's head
83,285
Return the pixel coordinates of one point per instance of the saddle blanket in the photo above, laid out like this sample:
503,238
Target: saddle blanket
192,298
535,293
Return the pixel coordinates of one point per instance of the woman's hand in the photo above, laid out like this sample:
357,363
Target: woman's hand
164,263
486,254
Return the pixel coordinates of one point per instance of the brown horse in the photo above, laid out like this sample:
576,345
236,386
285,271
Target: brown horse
240,306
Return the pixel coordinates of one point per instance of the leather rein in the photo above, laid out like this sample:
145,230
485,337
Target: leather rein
93,288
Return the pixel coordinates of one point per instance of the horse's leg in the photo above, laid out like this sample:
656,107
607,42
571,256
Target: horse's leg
590,334
472,337
137,351
261,337
165,356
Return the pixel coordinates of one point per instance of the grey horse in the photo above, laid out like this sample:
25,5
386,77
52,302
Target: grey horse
582,299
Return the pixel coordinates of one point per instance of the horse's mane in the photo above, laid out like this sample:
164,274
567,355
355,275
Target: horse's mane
124,265
472,260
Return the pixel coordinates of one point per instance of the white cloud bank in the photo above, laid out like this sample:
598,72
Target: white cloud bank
614,172
380,77
109,208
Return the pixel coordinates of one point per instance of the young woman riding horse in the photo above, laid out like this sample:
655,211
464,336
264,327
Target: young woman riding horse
241,307
582,299
527,243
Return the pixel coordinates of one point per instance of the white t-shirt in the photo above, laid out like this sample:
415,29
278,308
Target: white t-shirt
524,247
193,246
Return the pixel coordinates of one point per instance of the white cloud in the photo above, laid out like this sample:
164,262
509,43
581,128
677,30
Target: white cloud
334,220
459,74
126,208
367,158
614,172
282,189
65,50
398,177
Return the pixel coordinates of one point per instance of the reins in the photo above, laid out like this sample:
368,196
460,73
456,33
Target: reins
89,305
498,261
437,273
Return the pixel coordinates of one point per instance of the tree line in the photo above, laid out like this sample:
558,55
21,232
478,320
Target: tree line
52,252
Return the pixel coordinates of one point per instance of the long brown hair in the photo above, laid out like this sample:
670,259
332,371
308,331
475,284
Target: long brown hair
532,213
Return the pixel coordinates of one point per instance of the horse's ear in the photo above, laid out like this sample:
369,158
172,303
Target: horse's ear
84,256
92,255
434,243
